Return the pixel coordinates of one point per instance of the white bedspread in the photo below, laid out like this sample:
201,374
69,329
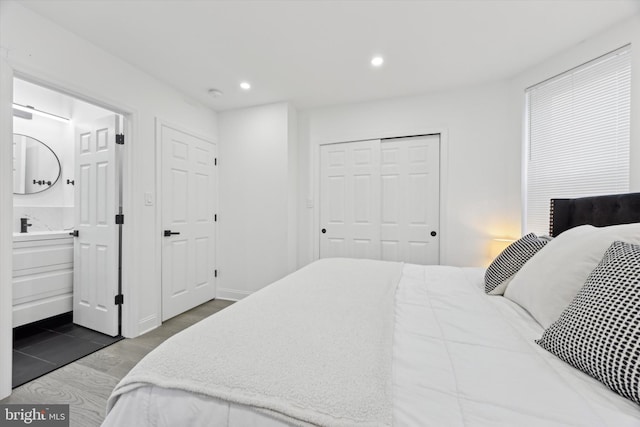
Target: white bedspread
460,358
314,347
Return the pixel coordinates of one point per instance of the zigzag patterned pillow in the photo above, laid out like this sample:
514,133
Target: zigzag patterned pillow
503,268
599,333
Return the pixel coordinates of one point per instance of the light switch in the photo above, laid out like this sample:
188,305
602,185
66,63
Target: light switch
309,203
148,199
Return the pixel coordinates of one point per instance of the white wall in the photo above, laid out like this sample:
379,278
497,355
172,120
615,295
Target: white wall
292,178
620,35
6,233
480,179
38,50
257,218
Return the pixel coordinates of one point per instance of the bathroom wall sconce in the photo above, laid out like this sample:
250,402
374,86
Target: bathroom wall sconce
33,110
71,181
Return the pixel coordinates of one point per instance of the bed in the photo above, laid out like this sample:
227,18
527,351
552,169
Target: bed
346,342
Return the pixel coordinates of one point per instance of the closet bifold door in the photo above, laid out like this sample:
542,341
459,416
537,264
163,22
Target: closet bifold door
350,200
410,195
380,199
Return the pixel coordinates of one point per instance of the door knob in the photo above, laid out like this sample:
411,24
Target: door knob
324,230
168,233
434,234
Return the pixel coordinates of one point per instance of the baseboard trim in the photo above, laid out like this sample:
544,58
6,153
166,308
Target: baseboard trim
147,324
231,294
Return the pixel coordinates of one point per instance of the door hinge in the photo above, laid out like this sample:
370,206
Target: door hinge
74,233
215,273
215,217
119,218
215,161
119,299
120,138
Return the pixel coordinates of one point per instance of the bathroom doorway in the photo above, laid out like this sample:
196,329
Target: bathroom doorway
67,210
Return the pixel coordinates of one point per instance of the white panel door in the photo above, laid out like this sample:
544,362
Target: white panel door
189,189
350,200
95,278
410,194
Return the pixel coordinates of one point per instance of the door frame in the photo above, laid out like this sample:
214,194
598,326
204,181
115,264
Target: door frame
159,123
131,119
314,154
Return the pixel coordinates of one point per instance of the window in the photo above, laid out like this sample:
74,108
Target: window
578,135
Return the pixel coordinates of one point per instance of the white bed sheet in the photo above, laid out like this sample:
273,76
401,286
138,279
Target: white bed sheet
460,359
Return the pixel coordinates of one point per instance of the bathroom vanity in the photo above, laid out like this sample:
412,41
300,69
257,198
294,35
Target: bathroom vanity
42,275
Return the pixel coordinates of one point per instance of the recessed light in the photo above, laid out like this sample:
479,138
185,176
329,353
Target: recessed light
377,61
245,85
214,93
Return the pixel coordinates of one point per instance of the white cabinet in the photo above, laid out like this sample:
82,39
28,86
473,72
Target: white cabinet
42,276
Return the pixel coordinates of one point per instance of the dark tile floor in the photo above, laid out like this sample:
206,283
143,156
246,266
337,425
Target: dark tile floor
41,347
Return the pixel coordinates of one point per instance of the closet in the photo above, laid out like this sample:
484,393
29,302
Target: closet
380,199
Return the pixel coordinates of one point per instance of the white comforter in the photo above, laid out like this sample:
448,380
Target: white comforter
314,347
460,358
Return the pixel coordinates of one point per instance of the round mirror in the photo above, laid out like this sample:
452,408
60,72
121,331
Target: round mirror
36,167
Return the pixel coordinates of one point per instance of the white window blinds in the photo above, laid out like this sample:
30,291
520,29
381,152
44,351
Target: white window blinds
578,135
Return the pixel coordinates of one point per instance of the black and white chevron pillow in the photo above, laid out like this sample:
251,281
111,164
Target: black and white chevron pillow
503,268
599,333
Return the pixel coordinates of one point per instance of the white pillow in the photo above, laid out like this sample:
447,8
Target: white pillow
551,279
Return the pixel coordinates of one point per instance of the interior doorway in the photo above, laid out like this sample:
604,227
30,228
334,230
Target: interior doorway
67,210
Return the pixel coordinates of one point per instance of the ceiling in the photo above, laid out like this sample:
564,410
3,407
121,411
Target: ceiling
316,53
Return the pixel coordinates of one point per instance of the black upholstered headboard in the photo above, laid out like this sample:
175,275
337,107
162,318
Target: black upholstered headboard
599,211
